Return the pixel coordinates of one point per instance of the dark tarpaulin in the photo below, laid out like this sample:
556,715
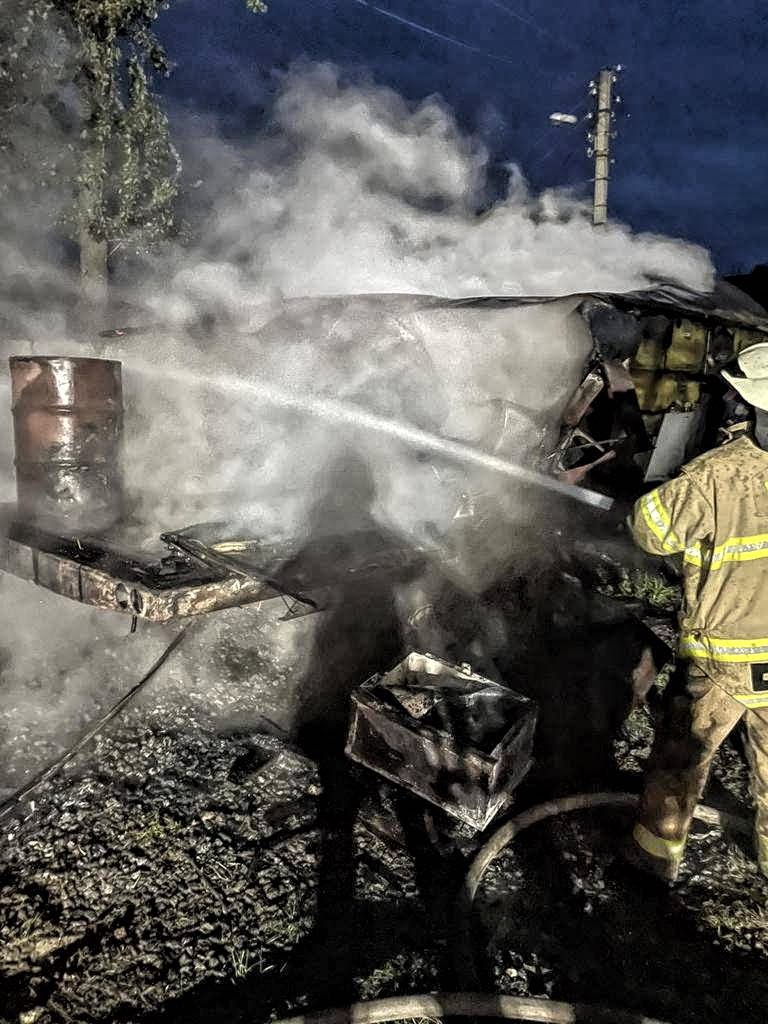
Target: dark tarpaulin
725,303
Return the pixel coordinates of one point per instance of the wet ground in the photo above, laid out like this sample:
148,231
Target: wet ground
197,866
599,932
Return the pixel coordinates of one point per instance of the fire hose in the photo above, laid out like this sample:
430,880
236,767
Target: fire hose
470,1004
473,1004
579,802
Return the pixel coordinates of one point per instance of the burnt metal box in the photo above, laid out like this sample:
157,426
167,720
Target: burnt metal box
445,733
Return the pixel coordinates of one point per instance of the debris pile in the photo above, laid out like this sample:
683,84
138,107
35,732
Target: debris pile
186,867
174,856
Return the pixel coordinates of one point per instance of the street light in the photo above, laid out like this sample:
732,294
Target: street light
563,119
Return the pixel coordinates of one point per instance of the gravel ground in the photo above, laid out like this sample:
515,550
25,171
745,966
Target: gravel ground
601,933
195,866
177,865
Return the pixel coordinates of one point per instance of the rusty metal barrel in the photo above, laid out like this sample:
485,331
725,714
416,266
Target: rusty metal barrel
68,426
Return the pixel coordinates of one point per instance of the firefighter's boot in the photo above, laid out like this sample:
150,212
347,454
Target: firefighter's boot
654,855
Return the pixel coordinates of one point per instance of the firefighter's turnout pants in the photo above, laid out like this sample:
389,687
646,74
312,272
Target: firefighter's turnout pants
698,714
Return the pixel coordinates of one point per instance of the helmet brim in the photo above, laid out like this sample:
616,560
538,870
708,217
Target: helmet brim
754,392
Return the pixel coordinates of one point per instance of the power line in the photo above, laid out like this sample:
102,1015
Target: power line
453,41
425,30
532,23
541,159
516,14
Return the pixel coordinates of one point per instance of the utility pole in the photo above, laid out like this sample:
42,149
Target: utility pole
601,137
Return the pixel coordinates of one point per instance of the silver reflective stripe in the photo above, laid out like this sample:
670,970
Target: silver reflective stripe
740,549
659,522
709,648
752,700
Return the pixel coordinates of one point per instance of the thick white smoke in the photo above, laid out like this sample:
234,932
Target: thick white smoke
353,191
366,193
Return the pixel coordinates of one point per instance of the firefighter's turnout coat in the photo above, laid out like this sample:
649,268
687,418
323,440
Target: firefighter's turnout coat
715,514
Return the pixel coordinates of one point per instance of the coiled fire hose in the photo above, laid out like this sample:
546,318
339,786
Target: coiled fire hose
564,805
475,1004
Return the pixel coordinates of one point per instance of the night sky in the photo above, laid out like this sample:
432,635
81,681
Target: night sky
690,157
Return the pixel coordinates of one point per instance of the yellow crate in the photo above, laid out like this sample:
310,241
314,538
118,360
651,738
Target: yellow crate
658,392
649,355
688,346
743,336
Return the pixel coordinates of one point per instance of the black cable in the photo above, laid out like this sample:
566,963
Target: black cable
577,109
44,774
425,30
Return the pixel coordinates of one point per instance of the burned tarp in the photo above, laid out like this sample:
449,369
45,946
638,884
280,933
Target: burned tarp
724,303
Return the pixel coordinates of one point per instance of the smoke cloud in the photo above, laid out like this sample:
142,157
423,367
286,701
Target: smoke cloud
355,191
352,191
322,243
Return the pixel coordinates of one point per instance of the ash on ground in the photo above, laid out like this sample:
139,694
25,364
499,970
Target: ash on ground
197,865
566,919
193,861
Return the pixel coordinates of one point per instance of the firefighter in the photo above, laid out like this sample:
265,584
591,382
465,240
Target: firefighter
714,515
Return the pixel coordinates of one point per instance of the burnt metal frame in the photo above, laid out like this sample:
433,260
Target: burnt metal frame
189,579
112,583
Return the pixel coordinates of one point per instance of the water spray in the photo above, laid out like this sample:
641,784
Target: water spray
353,415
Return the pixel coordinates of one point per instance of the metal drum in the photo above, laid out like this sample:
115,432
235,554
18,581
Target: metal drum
68,425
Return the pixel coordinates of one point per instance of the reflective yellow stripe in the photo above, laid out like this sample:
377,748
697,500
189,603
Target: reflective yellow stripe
693,555
666,849
740,549
708,648
752,700
659,523
734,549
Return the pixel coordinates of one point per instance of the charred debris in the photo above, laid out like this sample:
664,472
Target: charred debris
648,398
251,856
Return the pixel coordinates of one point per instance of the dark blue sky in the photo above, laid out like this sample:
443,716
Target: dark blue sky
691,158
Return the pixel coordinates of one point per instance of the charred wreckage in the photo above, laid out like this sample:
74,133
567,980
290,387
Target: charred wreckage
650,397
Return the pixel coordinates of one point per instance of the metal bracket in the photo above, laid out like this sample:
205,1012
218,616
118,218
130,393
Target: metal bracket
299,609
